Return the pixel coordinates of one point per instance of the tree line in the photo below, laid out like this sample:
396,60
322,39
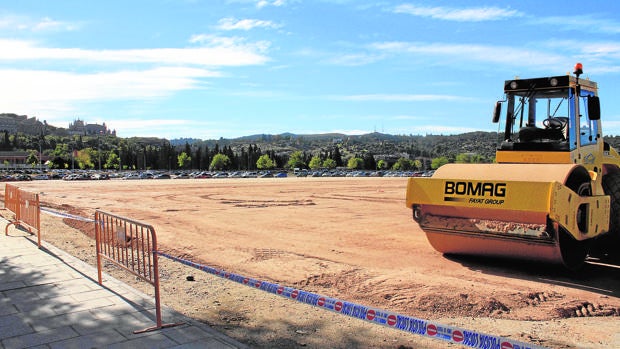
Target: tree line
107,152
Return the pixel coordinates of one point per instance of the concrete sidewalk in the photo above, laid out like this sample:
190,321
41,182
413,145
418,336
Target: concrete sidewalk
49,299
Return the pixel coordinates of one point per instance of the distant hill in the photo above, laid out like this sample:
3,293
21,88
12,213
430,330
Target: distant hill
375,143
23,133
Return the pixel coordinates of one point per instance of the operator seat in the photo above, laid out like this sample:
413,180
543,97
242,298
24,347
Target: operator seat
553,131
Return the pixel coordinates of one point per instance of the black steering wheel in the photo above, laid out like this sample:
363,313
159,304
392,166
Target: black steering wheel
555,123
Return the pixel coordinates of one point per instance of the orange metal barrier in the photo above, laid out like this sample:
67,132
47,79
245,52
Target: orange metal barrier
27,210
11,200
132,246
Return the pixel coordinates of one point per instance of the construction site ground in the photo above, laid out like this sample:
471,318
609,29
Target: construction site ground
347,238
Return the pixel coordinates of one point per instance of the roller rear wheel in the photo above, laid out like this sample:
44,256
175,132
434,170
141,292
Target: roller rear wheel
574,252
608,246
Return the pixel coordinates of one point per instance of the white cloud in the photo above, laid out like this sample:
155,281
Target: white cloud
275,3
581,22
475,14
610,127
447,52
46,24
355,59
400,98
53,93
164,72
230,23
139,123
434,129
222,53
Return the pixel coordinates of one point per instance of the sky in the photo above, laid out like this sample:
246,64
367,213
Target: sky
228,68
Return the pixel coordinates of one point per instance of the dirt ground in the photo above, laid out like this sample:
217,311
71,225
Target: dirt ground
348,238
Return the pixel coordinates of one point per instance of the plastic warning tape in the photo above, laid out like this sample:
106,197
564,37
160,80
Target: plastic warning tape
425,328
66,215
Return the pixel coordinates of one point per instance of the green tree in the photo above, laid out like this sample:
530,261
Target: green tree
183,159
219,162
296,160
329,163
113,162
468,158
32,158
417,164
382,164
438,162
369,161
84,158
403,164
315,163
336,156
264,162
61,150
355,163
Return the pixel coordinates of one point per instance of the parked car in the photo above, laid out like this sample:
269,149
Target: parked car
202,175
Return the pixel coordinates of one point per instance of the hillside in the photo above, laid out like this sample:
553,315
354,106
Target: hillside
20,133
378,144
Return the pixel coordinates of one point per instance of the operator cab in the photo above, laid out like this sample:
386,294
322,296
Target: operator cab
543,115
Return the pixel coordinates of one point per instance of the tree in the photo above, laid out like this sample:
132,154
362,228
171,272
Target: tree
369,161
296,160
403,164
84,158
417,164
264,162
438,162
337,157
32,158
382,164
355,163
61,150
468,158
219,162
315,163
183,159
112,163
329,163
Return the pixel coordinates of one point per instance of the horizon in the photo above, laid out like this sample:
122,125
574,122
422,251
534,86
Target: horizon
232,68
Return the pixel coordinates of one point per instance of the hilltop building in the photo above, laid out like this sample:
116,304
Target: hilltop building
79,127
13,123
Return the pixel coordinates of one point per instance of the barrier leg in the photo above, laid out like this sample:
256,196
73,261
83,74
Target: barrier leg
6,229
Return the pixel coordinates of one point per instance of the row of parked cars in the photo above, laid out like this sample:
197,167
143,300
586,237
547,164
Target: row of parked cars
362,173
26,175
204,174
77,175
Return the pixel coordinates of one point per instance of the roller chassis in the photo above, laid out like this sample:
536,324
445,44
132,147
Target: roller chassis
559,183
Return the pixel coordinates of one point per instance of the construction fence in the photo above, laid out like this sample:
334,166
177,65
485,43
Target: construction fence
26,210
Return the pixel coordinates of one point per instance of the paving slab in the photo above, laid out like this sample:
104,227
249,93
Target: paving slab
50,299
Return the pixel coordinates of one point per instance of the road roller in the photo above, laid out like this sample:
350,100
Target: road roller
553,193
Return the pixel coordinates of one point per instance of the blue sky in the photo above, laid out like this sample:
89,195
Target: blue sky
227,68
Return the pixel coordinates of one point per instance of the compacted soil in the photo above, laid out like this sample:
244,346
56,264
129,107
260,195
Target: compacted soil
347,238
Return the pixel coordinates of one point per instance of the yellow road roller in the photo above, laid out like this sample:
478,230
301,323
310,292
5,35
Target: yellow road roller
553,193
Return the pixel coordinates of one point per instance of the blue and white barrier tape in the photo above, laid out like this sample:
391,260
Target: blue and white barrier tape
377,316
425,328
66,215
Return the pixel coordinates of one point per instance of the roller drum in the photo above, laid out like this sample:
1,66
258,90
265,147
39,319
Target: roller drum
501,210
